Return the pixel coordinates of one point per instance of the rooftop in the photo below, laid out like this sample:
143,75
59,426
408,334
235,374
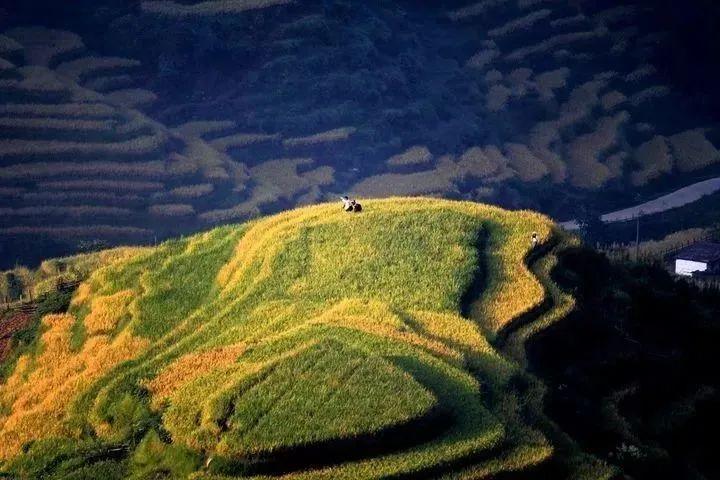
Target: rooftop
705,252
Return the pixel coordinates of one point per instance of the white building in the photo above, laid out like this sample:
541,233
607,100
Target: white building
699,257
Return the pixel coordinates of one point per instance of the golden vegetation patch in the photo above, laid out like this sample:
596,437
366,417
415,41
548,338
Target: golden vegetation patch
107,311
190,367
36,396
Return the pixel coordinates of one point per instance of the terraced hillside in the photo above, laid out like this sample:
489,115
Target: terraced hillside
309,344
80,162
123,121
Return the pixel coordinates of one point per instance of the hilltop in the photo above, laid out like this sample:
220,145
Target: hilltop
312,343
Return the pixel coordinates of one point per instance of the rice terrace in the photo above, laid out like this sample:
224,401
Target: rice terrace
281,346
345,239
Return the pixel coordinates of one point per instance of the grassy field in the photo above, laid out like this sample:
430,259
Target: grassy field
309,344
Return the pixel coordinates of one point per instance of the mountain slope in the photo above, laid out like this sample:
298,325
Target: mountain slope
313,343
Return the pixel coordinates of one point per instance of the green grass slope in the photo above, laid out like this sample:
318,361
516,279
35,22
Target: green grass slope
309,344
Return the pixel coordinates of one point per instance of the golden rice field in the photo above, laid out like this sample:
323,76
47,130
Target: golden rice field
309,344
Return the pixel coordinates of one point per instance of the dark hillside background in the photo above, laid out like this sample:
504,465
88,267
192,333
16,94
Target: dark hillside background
555,106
